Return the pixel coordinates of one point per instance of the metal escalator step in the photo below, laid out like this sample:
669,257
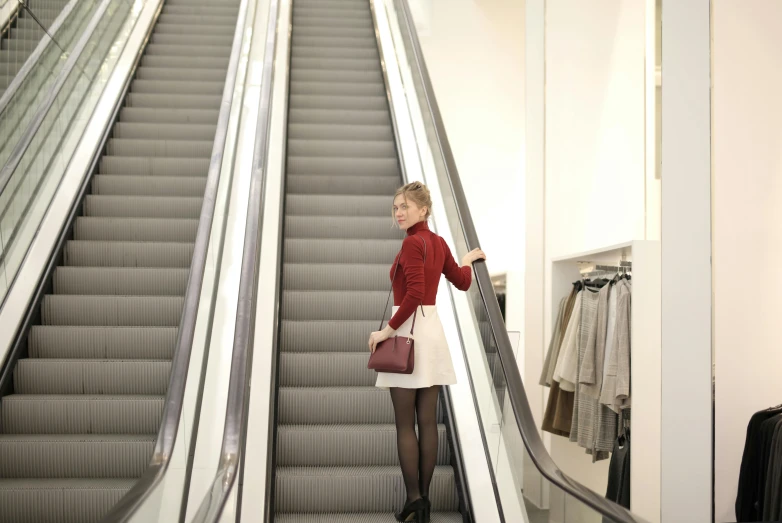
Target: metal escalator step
332,4
195,22
74,455
200,10
327,75
192,39
303,20
343,166
341,148
70,376
142,115
190,3
161,131
339,32
335,276
81,414
159,148
188,50
157,343
188,167
332,305
125,311
339,117
366,185
59,500
357,133
347,445
323,227
312,336
323,205
338,64
334,405
173,101
170,27
184,86
355,489
361,517
184,62
334,42
372,103
128,254
142,206
120,281
160,73
338,89
148,185
340,250
135,229
27,34
326,369
329,10
14,56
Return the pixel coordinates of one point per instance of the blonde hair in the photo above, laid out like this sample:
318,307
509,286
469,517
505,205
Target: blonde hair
418,193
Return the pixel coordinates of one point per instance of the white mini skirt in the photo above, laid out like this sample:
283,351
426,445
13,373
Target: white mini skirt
433,364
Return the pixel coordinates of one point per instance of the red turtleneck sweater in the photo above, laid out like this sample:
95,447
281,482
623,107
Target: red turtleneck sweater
416,281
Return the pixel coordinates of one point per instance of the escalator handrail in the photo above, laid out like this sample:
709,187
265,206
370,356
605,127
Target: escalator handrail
35,124
236,418
166,438
515,386
20,77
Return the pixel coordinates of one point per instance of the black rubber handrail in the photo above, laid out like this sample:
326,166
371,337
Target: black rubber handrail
231,454
164,445
515,387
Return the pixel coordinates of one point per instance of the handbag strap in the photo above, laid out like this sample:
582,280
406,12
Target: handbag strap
382,314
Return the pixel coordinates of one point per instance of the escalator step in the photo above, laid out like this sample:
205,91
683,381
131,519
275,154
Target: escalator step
184,62
366,517
340,250
323,205
368,185
142,206
355,489
188,50
194,9
347,445
331,9
189,39
313,336
356,103
128,254
45,376
171,27
74,455
334,405
128,185
337,89
335,20
335,276
173,101
195,22
327,369
108,311
339,32
338,117
143,115
357,133
340,227
159,131
135,229
157,343
343,166
341,149
339,64
59,500
332,305
184,86
198,75
326,75
187,167
81,414
120,281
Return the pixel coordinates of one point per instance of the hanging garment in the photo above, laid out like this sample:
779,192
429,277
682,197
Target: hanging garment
754,467
547,374
618,489
772,500
616,381
559,408
584,408
566,372
601,436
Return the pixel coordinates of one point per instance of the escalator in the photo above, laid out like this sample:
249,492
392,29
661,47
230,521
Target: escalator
79,423
336,442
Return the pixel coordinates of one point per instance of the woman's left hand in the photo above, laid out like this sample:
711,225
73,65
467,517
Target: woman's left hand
378,337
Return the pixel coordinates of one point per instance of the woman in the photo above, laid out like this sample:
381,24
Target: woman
423,257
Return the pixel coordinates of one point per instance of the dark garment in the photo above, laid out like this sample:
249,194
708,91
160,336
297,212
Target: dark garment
772,503
618,489
559,408
765,440
749,507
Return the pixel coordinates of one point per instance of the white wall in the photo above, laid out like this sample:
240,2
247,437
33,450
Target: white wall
747,213
594,124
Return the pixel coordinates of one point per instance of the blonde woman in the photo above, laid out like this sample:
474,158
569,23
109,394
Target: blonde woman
423,257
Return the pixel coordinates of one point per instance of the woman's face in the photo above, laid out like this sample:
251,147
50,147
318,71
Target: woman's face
407,213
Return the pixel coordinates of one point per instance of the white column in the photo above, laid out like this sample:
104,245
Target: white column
686,421
534,280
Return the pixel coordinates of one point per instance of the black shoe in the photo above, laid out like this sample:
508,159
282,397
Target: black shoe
413,511
427,510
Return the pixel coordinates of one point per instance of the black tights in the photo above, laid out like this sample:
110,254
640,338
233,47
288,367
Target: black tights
417,456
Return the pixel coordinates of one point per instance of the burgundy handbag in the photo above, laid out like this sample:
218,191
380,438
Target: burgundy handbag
396,354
